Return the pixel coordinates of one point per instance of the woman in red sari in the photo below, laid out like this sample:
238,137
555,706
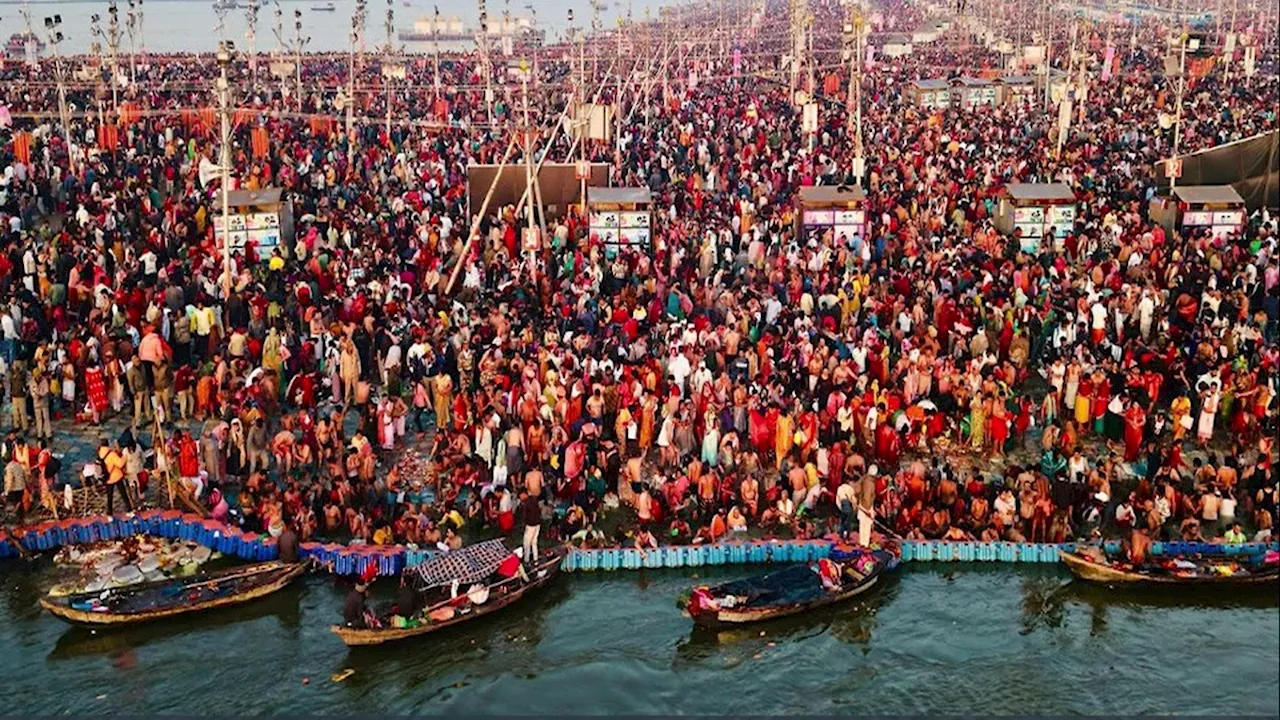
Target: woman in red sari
1135,421
999,422
95,387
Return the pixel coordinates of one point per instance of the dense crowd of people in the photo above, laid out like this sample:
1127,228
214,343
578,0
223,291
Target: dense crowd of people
740,377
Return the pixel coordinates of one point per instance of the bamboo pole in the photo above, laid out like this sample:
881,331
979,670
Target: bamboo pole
475,225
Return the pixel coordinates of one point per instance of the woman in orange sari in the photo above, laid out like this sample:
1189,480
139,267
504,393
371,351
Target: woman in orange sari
648,412
204,396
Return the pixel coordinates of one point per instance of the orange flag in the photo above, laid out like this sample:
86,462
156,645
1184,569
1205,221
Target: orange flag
831,85
129,113
261,142
208,119
109,138
22,147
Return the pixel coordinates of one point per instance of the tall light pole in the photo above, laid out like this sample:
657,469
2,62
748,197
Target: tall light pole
579,122
482,39
299,46
390,68
220,11
596,5
435,39
95,48
133,24
854,33
112,36
1177,103
357,39
51,25
251,34
225,51
527,133
533,47
279,68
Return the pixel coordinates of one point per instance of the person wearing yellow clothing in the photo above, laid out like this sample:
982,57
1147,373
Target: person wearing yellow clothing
113,465
784,439
1180,416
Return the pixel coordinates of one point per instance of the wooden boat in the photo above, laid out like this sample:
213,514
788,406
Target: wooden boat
165,598
499,595
790,591
1092,571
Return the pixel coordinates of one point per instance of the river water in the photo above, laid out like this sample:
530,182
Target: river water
972,639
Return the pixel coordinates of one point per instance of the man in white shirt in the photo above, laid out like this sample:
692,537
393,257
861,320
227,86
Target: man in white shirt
678,367
8,336
150,265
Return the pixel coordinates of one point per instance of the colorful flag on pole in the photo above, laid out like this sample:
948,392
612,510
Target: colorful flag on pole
1106,62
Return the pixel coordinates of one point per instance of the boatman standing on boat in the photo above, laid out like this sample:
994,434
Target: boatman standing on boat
866,505
353,608
530,513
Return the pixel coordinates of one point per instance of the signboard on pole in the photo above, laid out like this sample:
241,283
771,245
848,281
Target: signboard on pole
530,239
1173,168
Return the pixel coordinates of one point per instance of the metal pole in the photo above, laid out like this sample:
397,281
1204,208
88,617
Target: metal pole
1071,60
617,98
251,15
357,38
855,94
52,24
435,37
475,224
1177,110
483,39
584,127
113,41
527,133
387,69
224,59
133,24
299,43
350,100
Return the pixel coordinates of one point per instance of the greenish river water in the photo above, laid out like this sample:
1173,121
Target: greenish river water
956,639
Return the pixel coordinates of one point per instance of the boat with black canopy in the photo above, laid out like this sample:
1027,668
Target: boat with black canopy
790,591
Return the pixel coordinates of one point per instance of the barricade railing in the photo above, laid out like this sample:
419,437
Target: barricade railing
389,560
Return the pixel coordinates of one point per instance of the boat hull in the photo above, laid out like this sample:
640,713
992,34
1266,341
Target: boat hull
1086,569
363,637
741,615
274,577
